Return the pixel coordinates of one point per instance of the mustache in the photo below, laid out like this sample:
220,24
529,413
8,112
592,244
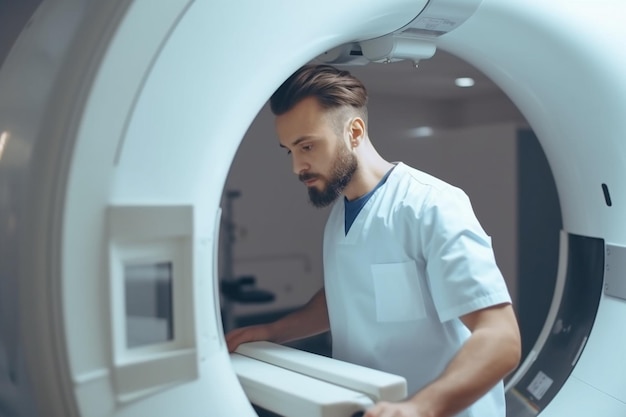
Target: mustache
306,177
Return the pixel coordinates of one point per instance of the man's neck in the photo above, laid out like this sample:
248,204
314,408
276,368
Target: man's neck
367,176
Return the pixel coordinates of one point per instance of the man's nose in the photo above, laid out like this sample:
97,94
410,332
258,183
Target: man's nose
299,165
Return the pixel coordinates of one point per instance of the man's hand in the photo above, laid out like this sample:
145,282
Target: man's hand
401,409
256,333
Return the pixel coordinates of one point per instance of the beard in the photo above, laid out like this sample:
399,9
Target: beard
343,168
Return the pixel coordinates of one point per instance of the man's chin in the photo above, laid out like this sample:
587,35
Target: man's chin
320,200
321,204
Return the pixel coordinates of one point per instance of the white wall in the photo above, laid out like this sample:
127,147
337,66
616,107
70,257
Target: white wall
280,234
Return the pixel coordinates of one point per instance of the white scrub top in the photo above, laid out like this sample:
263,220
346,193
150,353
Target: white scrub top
414,261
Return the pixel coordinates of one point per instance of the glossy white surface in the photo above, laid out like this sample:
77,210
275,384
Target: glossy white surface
379,386
289,393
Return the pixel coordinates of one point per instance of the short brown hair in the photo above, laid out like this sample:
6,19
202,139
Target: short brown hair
333,88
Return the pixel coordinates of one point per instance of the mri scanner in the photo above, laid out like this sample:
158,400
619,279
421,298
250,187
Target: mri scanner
119,120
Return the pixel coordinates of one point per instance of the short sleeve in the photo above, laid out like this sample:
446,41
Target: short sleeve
460,264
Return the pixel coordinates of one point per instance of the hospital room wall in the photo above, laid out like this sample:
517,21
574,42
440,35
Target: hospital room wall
279,234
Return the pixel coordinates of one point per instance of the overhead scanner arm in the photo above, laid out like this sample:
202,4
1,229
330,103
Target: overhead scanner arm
415,41
291,382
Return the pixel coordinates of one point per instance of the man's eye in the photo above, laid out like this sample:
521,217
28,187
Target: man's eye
307,148
288,152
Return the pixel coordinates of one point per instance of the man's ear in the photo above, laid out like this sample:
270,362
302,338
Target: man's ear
356,131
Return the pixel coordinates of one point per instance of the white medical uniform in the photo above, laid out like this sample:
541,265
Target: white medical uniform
414,260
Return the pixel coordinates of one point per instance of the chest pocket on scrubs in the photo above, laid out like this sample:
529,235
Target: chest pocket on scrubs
398,292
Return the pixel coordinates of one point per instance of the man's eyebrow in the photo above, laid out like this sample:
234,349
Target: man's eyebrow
297,141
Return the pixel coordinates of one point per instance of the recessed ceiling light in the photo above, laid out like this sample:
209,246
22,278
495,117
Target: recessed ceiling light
464,82
4,137
422,132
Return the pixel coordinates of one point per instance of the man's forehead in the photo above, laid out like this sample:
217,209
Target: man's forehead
299,122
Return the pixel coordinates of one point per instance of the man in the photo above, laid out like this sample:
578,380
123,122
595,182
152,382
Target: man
411,286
